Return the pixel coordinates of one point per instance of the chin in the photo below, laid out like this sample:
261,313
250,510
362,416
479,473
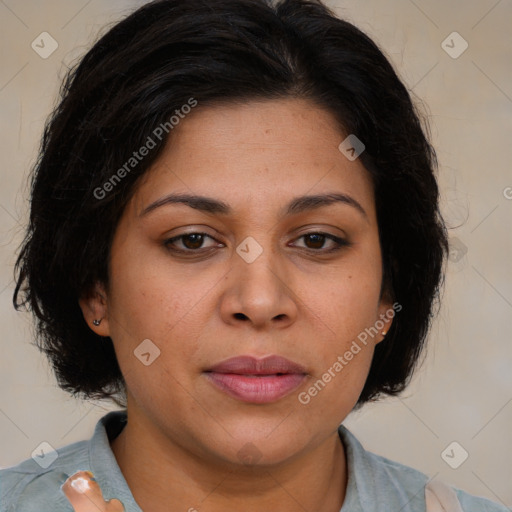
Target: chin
255,446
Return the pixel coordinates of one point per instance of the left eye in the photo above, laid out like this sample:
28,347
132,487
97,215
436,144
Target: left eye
317,240
193,242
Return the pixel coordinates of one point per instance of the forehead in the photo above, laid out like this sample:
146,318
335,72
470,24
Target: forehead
259,154
258,125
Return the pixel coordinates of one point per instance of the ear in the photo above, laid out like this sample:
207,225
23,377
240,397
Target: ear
94,307
386,312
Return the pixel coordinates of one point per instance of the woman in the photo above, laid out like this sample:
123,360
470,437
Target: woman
235,235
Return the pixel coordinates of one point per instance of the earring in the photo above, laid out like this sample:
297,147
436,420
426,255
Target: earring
384,333
97,322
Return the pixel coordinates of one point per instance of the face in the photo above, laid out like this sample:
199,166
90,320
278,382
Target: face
254,271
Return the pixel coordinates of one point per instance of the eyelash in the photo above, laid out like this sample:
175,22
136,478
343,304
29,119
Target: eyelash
340,243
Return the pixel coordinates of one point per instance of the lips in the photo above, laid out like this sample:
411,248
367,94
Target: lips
258,381
248,365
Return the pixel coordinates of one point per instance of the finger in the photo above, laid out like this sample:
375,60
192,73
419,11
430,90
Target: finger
84,493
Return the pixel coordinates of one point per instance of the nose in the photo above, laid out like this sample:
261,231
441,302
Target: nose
259,292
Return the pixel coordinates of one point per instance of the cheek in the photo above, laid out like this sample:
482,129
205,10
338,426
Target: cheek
147,302
345,307
346,302
342,354
145,307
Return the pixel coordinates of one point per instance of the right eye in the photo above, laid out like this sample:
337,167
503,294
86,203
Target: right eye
191,242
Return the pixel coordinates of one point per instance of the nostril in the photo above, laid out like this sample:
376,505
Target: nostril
240,316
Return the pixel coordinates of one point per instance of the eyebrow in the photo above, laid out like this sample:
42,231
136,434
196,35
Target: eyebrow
296,205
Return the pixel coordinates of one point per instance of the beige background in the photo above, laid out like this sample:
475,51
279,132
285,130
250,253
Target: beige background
463,392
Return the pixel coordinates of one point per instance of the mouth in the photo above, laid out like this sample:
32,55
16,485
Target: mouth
257,381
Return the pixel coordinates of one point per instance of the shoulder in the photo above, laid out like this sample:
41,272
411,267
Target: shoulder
29,487
471,503
376,478
34,484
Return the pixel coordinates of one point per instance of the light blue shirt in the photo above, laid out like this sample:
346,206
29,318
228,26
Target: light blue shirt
375,484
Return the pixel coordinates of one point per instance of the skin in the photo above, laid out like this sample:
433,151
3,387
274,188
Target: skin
183,436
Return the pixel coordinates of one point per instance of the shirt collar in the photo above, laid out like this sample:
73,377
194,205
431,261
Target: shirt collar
103,462
359,493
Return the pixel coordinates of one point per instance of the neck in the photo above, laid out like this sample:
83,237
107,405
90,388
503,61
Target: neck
159,472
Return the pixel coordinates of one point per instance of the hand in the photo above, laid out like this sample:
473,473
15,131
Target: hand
84,494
